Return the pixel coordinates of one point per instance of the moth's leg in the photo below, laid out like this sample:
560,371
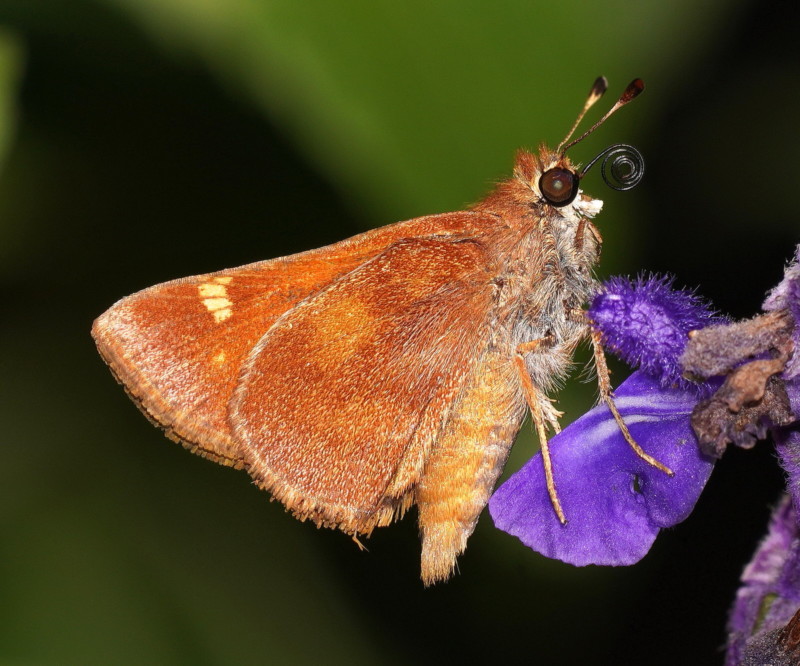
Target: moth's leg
535,400
606,395
551,414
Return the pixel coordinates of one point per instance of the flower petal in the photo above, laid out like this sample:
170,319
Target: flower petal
615,503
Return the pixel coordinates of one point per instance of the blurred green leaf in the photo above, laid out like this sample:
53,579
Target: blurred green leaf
412,107
11,56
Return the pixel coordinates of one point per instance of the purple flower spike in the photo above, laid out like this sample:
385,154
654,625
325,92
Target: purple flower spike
787,444
646,323
769,595
615,503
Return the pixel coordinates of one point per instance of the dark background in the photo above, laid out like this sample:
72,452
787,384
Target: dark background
142,141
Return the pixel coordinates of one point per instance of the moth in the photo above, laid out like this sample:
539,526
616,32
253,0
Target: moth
388,370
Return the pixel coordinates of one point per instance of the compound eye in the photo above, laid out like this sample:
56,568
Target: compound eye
559,186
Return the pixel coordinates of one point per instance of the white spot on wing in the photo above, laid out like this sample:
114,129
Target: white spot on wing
217,303
215,297
208,290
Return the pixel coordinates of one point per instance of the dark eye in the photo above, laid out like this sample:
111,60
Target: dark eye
559,186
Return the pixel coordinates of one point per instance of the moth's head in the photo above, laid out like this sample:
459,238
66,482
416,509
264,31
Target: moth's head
555,181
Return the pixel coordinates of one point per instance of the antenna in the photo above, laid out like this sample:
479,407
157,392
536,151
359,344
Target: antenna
634,89
599,87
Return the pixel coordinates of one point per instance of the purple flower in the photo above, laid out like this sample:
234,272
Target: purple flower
764,619
615,502
761,392
646,323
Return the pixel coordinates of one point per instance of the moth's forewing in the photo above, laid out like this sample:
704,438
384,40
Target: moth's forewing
343,399
178,347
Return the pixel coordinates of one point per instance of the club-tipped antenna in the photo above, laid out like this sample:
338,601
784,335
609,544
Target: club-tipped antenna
633,90
599,87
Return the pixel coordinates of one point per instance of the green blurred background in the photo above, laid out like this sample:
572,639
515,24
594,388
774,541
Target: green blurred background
143,140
